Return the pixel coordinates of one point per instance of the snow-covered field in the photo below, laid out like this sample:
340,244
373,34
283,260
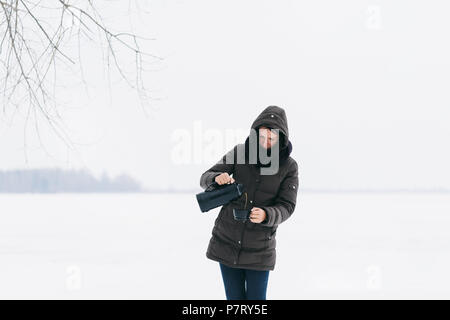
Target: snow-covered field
148,246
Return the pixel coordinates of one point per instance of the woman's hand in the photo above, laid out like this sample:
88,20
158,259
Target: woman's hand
224,178
257,215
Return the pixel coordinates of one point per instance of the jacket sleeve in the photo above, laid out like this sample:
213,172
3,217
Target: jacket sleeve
286,199
226,164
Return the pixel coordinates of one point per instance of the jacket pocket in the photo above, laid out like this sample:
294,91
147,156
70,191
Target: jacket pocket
272,233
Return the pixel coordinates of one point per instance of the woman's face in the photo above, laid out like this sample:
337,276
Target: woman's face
267,138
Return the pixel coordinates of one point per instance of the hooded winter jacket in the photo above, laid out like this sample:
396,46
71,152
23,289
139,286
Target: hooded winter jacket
244,244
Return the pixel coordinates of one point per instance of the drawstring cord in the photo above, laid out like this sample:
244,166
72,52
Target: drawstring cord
245,206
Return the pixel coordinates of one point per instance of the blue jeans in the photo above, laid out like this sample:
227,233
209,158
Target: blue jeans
244,284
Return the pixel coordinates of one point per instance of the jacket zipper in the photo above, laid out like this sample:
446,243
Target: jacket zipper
243,230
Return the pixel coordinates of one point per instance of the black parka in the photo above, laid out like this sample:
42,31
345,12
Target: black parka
244,244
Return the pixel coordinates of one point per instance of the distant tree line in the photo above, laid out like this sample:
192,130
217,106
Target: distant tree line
58,180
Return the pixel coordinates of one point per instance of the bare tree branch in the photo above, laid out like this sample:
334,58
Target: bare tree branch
32,40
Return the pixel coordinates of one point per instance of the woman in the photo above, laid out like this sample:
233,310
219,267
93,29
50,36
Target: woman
245,249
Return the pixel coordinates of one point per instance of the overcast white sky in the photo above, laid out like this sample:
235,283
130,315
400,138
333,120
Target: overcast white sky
365,85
